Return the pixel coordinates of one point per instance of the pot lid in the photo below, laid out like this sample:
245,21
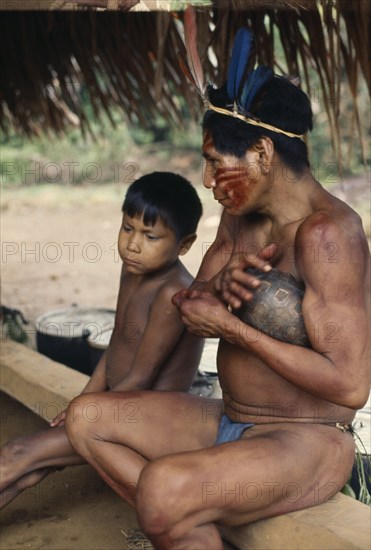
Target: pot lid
75,322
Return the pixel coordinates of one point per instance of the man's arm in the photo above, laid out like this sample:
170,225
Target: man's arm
337,368
219,257
334,263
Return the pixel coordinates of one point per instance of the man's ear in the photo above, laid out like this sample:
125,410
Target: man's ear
264,148
186,243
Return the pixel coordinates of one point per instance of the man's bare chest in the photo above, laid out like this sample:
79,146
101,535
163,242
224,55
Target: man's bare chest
252,239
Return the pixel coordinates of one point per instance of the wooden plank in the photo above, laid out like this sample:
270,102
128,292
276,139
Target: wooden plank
44,386
342,523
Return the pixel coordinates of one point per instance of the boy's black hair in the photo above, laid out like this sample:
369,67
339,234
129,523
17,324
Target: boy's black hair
165,196
279,103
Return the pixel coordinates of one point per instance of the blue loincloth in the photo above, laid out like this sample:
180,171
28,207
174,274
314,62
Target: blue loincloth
230,431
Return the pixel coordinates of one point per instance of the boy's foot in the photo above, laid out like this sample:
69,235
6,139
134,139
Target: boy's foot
12,490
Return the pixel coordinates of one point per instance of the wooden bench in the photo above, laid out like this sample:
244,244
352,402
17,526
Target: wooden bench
45,387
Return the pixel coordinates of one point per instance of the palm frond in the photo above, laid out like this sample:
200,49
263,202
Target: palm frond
52,60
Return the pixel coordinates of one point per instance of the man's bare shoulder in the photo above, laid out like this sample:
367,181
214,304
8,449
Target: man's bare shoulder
333,225
332,251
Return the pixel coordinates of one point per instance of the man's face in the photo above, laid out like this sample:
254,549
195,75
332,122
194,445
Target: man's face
233,180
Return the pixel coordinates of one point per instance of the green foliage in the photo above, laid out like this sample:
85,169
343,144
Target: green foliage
74,159
363,468
327,166
14,324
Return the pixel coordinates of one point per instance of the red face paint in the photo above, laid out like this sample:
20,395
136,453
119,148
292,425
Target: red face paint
232,183
233,179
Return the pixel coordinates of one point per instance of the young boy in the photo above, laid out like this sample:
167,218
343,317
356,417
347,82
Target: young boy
150,347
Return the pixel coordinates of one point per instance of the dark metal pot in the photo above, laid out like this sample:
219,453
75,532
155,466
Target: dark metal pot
98,344
62,334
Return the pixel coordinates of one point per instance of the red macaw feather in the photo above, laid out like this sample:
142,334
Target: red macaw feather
194,63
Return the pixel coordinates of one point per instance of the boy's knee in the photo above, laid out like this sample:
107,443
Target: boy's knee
162,490
77,423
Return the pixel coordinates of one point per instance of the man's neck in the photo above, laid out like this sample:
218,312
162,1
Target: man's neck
291,197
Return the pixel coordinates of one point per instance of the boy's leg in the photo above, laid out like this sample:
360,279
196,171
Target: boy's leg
23,483
26,460
119,433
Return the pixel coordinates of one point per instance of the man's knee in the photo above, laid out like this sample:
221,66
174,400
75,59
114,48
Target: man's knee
162,490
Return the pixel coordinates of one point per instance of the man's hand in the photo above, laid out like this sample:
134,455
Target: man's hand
201,312
234,284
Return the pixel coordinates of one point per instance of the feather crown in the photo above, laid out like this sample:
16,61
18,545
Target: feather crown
243,81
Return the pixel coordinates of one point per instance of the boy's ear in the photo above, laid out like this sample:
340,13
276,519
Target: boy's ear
186,243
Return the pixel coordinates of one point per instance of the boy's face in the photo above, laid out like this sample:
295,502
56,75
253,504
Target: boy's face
146,248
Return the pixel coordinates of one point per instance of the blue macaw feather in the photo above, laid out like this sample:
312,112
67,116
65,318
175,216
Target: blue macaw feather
254,82
238,63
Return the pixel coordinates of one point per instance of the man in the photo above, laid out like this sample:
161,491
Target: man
280,439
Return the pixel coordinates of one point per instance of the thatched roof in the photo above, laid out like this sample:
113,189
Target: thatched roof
51,60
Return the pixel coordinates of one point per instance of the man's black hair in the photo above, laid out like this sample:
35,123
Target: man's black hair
279,103
165,196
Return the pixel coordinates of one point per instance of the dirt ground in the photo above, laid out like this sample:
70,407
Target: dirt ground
59,245
58,248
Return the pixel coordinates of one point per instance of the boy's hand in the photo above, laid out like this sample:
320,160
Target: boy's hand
177,299
234,284
59,419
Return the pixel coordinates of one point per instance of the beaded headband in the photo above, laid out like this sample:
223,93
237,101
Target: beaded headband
252,121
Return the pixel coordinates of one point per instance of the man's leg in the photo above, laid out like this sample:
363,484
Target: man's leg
119,433
25,461
272,470
185,484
